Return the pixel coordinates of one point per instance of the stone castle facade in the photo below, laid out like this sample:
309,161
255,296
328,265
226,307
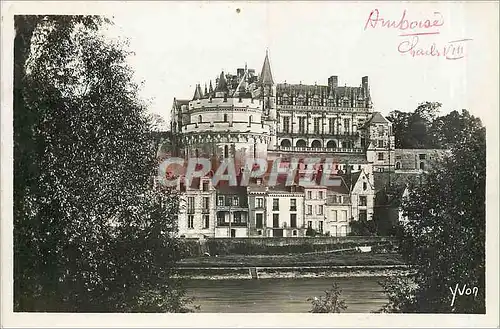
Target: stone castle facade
250,116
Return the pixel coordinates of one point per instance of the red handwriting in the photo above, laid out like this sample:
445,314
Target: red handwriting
452,51
404,24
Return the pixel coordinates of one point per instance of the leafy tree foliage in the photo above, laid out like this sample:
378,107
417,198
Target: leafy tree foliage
90,232
423,128
445,236
330,303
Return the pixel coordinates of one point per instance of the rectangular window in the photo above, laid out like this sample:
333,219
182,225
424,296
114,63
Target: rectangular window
259,202
331,125
316,125
276,204
320,209
381,156
365,186
205,186
347,128
362,200
320,195
258,220
362,215
293,220
320,226
221,218
309,194
334,215
302,125
380,143
286,124
343,216
309,209
206,221
293,204
206,203
381,130
421,156
363,142
237,217
190,221
236,201
220,200
190,205
227,200
309,224
276,220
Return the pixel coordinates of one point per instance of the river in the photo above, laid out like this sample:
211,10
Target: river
361,294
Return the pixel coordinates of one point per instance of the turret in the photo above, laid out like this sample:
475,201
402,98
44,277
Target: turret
221,89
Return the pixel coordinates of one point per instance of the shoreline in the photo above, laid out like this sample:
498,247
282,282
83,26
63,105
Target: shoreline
276,273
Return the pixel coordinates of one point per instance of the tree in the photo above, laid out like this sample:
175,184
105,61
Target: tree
330,303
413,130
90,232
445,237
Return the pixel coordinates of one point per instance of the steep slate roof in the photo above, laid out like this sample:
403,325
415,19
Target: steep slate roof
322,91
179,102
222,84
197,92
377,118
266,77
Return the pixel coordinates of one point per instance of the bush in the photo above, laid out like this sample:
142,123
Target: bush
330,303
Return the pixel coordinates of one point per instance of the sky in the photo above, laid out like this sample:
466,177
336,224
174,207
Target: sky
178,45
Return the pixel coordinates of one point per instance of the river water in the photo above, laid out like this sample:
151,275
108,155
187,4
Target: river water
361,294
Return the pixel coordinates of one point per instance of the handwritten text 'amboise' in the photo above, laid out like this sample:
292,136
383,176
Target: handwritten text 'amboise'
413,30
171,170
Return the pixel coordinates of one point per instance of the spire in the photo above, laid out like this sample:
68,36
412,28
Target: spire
211,89
206,92
197,92
266,77
222,84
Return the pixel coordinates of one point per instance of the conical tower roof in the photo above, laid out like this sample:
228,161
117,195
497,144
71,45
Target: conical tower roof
222,84
197,92
266,77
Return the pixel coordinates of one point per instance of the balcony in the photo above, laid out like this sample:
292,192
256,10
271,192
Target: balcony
298,149
317,134
226,126
233,224
332,202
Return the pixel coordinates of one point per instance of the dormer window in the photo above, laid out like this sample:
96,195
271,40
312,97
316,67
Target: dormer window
200,119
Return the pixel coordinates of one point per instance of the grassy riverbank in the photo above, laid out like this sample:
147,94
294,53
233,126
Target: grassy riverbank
294,260
307,265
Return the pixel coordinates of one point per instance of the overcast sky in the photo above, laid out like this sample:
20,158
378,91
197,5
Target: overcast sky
180,44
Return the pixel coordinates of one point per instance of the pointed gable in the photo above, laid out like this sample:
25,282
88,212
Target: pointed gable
266,77
378,118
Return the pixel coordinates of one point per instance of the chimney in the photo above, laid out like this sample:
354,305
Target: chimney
364,82
240,72
333,81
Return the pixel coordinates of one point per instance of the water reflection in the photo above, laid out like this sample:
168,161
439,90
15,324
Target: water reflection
361,294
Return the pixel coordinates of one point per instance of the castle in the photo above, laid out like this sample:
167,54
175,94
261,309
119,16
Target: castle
250,116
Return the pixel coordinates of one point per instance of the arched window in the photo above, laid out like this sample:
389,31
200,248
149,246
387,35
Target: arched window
422,165
331,145
225,117
398,165
285,143
250,121
226,151
300,143
200,119
316,144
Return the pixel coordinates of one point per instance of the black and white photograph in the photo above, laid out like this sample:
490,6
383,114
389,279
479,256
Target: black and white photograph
251,163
